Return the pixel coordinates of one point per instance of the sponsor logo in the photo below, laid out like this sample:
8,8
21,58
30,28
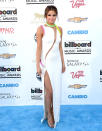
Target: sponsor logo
77,74
77,96
9,85
78,44
8,96
10,75
10,72
77,19
4,43
77,47
39,1
7,30
77,86
7,56
75,32
8,15
8,69
77,3
77,63
9,1
36,93
38,18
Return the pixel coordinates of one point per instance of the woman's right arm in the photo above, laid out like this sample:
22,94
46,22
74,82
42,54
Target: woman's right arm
39,36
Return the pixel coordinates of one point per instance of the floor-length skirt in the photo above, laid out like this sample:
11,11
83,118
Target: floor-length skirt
54,70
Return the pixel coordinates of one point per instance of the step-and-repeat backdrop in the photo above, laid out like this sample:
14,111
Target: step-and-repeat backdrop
81,21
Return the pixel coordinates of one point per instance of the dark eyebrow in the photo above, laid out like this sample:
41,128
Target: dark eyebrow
53,15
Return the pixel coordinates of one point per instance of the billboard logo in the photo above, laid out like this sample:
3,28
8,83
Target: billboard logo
77,19
8,15
36,93
10,72
77,3
39,1
10,69
77,47
6,1
77,44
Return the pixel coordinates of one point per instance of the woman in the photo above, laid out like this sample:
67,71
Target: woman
50,64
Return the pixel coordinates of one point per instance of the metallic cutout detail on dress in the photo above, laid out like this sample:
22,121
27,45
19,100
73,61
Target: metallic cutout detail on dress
55,34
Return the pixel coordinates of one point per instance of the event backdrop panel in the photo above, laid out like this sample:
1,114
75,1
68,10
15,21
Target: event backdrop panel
82,28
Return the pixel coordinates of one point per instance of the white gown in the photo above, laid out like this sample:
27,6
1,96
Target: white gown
53,65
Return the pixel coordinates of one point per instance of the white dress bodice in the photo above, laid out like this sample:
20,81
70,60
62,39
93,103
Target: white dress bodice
47,42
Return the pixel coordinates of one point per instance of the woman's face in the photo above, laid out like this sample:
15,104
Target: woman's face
51,17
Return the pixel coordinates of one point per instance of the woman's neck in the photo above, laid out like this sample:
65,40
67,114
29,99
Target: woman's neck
50,24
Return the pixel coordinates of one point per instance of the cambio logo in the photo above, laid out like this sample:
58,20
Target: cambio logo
8,12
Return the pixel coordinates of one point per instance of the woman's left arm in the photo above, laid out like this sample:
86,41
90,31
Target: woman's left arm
61,52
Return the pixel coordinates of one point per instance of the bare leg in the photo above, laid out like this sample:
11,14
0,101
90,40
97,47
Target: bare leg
46,112
45,103
48,99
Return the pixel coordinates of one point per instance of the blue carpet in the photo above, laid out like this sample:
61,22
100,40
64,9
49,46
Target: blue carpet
72,118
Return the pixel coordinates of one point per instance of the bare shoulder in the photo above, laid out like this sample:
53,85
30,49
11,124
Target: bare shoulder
40,30
60,28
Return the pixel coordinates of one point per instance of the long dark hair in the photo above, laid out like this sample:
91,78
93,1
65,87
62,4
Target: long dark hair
49,8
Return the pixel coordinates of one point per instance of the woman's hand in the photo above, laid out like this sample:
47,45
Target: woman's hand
63,68
39,71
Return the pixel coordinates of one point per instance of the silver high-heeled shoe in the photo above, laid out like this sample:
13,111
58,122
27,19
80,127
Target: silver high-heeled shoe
44,117
48,121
